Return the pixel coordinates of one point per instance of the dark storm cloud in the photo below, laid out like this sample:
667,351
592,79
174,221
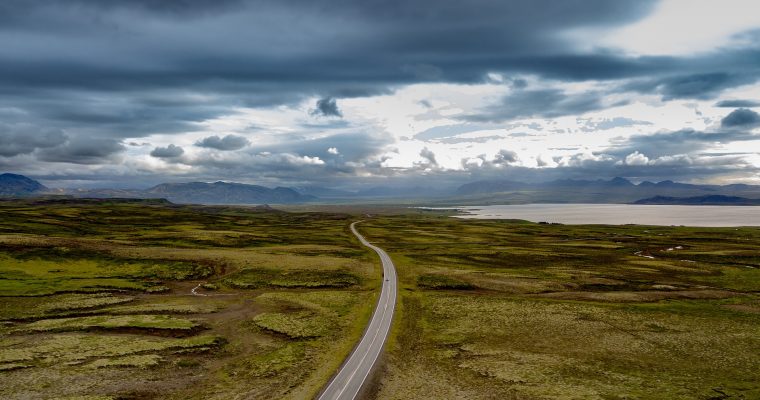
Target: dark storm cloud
170,7
365,48
227,143
737,103
699,86
742,118
518,84
115,45
702,86
579,66
16,139
106,70
170,151
180,7
327,107
539,103
106,116
82,150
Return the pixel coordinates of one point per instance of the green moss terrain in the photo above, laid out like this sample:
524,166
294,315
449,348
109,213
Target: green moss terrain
115,300
513,310
131,300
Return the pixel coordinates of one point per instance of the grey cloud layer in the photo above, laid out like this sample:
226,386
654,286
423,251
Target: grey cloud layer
82,150
539,103
270,47
741,117
686,141
737,103
327,107
85,74
19,139
227,143
170,151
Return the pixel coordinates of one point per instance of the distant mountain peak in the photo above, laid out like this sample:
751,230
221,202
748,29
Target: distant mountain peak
19,185
618,181
220,192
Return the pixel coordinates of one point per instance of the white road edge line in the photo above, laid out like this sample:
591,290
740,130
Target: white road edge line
389,298
377,332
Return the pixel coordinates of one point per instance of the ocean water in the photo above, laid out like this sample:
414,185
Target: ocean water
619,214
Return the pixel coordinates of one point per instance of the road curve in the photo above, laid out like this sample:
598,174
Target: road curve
352,375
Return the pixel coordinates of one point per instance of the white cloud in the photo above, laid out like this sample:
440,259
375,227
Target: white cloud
426,118
636,158
304,160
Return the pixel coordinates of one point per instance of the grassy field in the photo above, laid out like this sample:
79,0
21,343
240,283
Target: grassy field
515,310
133,300
146,300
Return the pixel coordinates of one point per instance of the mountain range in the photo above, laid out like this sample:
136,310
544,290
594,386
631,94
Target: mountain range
709,200
12,185
616,190
226,193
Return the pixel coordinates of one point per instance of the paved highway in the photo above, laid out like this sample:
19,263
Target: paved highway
353,373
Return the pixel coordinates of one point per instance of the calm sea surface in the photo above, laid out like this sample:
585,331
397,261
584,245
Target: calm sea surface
617,214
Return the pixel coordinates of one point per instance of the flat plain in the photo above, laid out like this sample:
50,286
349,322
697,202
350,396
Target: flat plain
148,300
143,299
515,310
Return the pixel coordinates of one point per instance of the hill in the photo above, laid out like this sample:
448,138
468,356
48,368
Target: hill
18,185
12,185
225,193
711,200
617,190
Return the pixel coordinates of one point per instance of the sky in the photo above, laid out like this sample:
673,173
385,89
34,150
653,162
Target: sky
354,94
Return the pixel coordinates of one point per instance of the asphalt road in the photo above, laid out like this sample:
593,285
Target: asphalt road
354,372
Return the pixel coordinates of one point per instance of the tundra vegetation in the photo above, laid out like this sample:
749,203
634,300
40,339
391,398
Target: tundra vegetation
516,310
129,299
145,299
